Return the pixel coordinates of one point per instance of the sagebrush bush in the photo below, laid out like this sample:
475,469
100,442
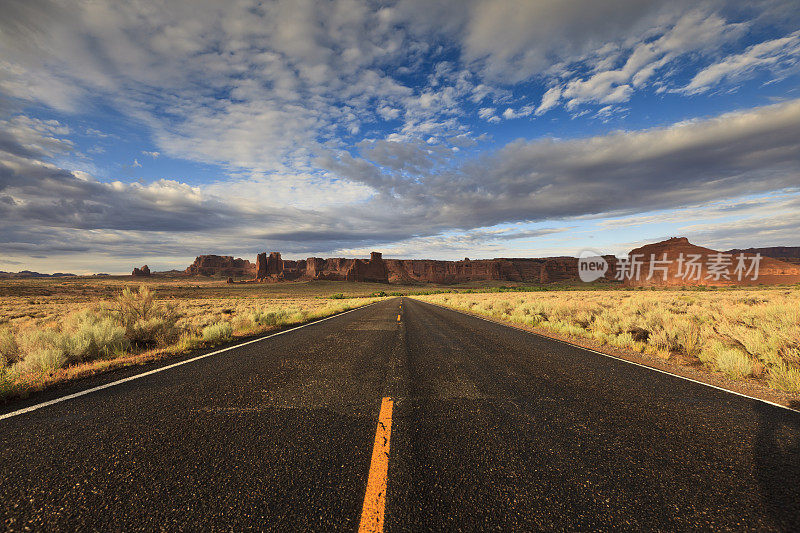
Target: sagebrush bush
784,377
155,331
9,349
43,351
219,332
90,335
269,318
735,363
146,323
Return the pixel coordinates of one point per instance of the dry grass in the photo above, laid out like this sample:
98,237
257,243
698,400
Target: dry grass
749,333
101,324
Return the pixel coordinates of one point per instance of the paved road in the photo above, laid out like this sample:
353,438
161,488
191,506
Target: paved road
493,429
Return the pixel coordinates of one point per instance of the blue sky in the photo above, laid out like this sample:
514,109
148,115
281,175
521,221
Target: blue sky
142,132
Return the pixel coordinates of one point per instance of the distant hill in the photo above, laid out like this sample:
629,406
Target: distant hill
31,274
790,254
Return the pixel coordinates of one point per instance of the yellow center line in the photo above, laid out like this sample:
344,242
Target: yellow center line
375,498
398,318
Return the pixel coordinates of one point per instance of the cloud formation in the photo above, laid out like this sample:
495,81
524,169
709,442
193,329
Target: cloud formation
346,123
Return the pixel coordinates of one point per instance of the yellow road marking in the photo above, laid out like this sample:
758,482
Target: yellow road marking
398,318
375,498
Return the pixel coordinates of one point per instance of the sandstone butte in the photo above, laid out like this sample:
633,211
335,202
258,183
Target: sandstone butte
141,272
272,267
668,270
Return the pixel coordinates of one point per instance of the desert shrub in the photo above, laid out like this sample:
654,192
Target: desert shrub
243,323
146,323
91,334
44,351
93,337
689,337
269,318
503,308
784,377
9,349
624,340
159,331
7,385
44,360
663,340
790,352
337,296
734,362
133,306
188,342
216,333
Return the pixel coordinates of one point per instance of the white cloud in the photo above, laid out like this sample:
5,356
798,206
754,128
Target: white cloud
776,54
695,31
549,100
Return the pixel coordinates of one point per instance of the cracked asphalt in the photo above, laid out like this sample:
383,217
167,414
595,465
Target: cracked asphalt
493,429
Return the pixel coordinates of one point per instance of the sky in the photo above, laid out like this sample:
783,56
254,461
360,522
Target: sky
145,132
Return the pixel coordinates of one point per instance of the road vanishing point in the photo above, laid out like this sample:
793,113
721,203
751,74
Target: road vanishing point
397,416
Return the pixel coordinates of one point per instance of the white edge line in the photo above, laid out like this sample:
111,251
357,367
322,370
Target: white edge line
163,368
615,357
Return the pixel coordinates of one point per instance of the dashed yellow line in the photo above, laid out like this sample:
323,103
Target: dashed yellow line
398,318
375,498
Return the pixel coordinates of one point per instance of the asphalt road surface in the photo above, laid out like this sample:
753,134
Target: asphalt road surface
492,428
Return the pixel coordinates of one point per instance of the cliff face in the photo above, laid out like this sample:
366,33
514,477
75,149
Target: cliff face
677,262
341,269
220,265
271,267
429,271
674,262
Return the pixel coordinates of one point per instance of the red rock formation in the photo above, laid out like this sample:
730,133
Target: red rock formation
261,266
431,271
668,261
373,269
274,268
545,270
677,262
141,272
334,269
788,254
220,265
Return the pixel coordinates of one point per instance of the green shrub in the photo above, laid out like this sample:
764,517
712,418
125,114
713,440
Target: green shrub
42,359
337,296
90,336
219,332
